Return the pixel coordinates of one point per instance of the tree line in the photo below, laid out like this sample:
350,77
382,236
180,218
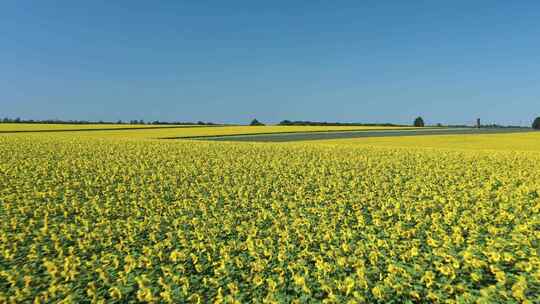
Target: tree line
118,122
256,122
418,122
324,123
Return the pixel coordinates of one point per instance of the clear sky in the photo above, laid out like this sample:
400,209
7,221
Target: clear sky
231,61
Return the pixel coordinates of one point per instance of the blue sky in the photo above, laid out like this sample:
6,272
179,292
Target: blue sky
231,61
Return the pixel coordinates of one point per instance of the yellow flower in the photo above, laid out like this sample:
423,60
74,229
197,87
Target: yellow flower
428,278
476,277
432,242
519,288
145,295
195,298
272,285
349,285
299,280
500,276
51,268
378,292
166,296
233,288
258,280
115,293
414,294
432,296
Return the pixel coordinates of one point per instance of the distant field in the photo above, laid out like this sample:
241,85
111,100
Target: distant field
28,127
274,130
351,134
206,131
526,141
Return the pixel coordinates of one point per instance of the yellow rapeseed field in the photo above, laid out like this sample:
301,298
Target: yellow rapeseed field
182,132
528,141
102,220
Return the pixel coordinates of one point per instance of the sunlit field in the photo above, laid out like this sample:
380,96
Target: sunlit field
155,132
116,217
529,141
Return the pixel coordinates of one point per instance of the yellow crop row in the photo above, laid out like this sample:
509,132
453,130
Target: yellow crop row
529,141
189,131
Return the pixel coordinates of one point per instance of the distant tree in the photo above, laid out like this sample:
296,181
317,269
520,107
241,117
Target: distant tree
325,123
418,122
285,122
439,124
536,123
119,122
17,120
255,122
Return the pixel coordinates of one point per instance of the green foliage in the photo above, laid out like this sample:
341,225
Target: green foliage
326,123
255,122
536,124
418,122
